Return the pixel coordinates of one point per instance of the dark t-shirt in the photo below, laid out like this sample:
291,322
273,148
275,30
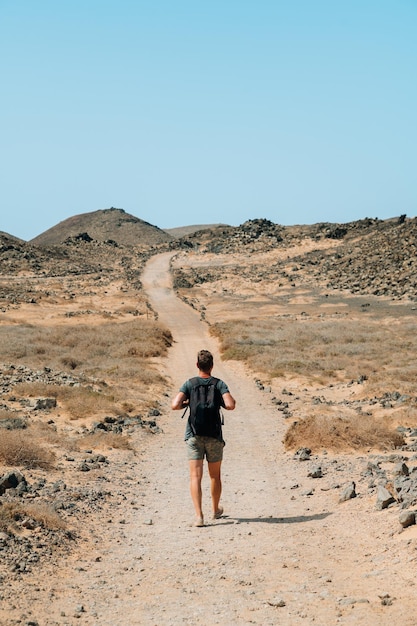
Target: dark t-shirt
186,389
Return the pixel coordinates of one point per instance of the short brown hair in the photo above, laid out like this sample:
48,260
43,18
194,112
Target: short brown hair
205,361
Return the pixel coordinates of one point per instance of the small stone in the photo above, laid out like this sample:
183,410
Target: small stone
315,472
348,493
29,523
384,498
303,454
407,518
401,469
386,599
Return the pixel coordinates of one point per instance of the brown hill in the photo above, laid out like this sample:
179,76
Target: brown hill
105,225
4,237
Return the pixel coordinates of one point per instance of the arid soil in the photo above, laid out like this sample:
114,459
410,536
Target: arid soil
287,551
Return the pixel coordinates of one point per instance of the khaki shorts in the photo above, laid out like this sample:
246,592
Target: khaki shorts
200,447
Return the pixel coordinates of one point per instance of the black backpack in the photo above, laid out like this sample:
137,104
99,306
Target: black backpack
205,401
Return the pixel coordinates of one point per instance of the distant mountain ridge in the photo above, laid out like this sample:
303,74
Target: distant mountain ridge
184,231
105,225
368,256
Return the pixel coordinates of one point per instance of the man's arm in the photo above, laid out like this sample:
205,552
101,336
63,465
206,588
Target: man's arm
179,402
229,401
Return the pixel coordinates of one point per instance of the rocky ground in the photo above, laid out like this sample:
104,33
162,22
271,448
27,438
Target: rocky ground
308,538
370,256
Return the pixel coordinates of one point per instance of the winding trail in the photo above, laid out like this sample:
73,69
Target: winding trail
276,544
220,573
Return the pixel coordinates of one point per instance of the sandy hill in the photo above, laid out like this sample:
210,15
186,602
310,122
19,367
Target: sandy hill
104,225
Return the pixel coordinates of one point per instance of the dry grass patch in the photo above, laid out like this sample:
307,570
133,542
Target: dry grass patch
19,448
42,514
79,402
49,435
119,353
406,415
105,440
323,350
337,433
94,348
5,415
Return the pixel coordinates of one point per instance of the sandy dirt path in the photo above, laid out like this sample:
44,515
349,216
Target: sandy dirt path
277,545
286,551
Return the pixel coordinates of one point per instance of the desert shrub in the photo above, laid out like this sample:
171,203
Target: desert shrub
44,515
52,436
19,448
84,401
11,420
336,433
70,362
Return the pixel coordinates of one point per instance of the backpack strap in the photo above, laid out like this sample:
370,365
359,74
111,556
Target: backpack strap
193,382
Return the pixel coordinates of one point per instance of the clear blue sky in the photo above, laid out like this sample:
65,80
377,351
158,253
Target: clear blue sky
193,112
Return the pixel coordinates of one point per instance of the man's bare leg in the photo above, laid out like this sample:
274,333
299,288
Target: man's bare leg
215,485
196,475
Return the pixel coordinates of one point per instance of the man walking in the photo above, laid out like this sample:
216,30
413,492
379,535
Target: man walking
205,395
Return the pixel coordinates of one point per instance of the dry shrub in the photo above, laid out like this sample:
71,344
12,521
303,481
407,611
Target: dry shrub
336,433
128,407
49,434
11,420
81,403
12,512
106,440
19,448
70,362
